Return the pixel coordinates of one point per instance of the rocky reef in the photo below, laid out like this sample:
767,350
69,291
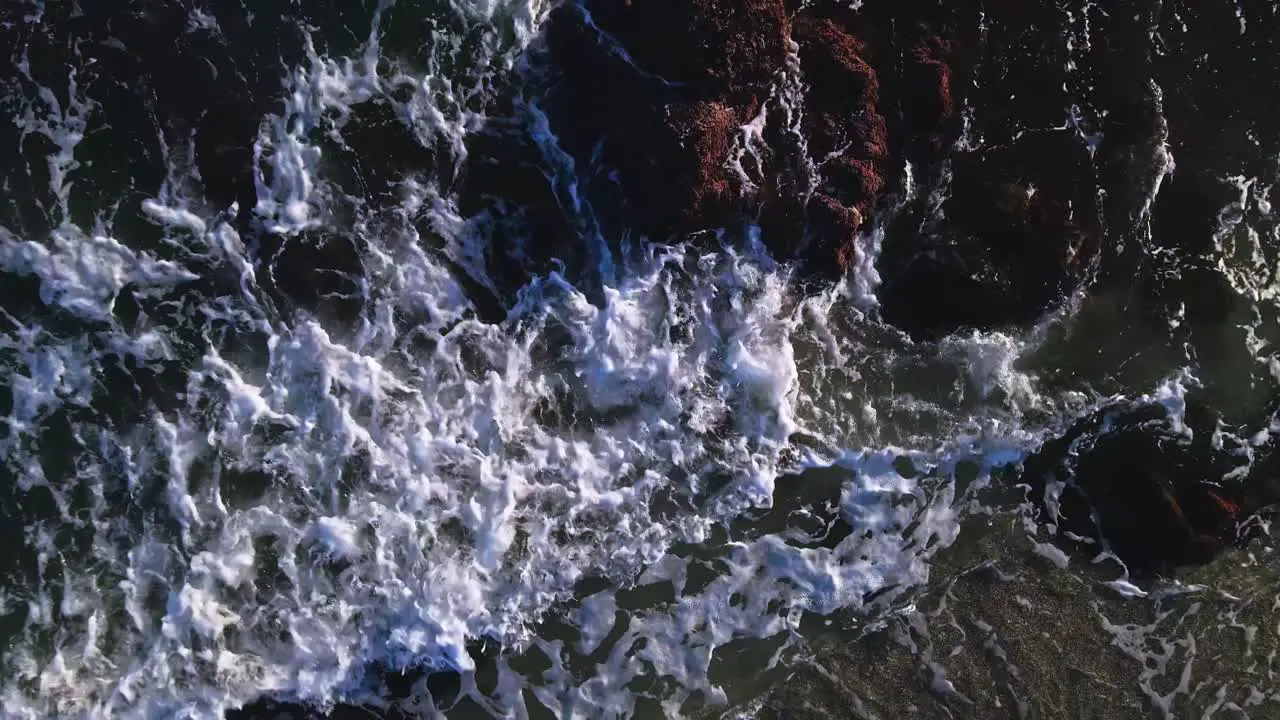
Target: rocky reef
668,85
953,128
810,122
704,129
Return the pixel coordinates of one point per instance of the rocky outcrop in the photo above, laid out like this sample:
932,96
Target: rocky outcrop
995,144
846,138
665,87
1006,222
666,109
1017,233
1157,500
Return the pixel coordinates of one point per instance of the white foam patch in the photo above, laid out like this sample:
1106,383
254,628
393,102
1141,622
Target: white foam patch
595,619
84,274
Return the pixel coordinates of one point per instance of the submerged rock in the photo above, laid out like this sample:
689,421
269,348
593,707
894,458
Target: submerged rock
1006,219
1018,233
1152,497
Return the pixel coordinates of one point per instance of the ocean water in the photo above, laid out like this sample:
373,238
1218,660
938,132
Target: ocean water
304,462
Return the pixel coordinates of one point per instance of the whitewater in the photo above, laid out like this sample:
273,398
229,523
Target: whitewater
216,494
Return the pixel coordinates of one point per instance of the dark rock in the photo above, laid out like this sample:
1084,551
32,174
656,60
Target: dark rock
703,132
856,182
1063,140
668,85
833,224
926,89
724,49
846,137
1157,499
842,113
1018,232
1019,225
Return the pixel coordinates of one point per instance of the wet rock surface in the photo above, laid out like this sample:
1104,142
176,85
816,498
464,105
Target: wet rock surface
1015,236
1155,497
674,111
1006,220
997,145
669,84
870,118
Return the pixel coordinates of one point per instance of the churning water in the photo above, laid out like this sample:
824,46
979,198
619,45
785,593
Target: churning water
234,471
